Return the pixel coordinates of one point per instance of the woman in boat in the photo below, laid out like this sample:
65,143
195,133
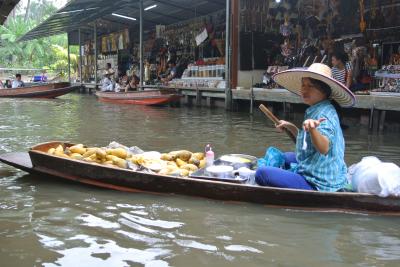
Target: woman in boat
8,84
106,84
319,157
132,84
18,83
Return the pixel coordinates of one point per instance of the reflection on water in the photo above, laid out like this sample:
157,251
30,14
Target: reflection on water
54,223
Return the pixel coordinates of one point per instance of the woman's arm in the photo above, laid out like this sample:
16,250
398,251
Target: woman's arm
349,78
320,142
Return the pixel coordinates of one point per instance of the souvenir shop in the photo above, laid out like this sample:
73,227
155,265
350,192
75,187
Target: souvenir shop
272,36
277,35
196,47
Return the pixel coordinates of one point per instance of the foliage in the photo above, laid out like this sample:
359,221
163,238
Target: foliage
50,52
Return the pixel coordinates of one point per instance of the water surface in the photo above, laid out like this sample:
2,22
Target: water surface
46,222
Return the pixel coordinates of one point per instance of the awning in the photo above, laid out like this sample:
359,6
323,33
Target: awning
82,13
6,6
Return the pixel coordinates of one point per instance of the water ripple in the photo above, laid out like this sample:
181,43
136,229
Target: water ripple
47,222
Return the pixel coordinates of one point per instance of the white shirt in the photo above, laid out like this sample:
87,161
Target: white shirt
107,85
341,75
17,84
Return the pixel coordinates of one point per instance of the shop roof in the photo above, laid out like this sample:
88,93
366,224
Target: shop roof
6,6
82,13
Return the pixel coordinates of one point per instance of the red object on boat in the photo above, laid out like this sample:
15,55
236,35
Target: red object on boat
50,90
147,97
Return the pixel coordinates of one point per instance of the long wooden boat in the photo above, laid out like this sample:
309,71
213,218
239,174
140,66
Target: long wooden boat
50,90
37,161
147,97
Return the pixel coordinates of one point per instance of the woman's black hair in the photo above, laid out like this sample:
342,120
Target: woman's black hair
326,89
342,56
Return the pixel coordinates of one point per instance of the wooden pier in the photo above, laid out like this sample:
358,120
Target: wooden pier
377,105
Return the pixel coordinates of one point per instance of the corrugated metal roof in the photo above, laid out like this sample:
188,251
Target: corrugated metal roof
6,6
81,13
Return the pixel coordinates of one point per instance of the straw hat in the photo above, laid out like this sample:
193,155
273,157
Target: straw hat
291,80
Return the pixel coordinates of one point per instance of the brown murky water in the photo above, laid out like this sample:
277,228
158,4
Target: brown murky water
53,223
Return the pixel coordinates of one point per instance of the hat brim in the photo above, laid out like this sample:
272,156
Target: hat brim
291,80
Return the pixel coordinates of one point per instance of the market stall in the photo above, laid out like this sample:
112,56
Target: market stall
277,35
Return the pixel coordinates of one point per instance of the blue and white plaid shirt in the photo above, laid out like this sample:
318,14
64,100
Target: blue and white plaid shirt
325,172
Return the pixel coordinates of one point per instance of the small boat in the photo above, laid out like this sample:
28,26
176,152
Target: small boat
39,162
51,90
146,97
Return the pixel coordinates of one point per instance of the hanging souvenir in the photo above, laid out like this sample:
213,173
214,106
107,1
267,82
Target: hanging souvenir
126,38
103,44
113,42
120,41
363,24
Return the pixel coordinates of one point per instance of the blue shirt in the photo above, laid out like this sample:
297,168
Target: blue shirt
324,172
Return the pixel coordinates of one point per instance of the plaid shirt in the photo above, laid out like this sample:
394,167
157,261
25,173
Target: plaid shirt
325,172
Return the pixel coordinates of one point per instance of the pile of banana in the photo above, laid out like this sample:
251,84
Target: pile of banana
178,163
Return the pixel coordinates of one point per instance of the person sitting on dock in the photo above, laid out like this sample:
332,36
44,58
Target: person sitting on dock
318,163
17,83
172,71
106,83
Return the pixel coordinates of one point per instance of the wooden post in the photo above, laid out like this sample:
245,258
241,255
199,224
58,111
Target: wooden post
141,45
80,55
228,92
69,59
198,97
235,43
382,120
95,54
209,101
251,95
371,117
187,99
375,120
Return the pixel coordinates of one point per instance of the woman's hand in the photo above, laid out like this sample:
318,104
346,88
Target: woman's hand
282,125
310,124
320,142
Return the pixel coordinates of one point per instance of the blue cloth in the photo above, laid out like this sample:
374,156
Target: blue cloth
274,157
276,177
325,172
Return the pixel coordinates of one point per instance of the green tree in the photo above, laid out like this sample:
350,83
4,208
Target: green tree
50,52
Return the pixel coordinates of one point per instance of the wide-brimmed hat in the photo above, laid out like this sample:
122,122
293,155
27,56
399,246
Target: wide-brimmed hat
291,80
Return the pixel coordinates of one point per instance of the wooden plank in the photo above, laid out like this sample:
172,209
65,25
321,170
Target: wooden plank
362,101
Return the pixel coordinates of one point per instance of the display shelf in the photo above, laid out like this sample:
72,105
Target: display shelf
388,75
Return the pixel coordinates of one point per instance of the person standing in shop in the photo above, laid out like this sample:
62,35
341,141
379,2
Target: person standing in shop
341,68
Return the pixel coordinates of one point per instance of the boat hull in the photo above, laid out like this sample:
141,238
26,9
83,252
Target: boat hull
149,98
39,162
40,91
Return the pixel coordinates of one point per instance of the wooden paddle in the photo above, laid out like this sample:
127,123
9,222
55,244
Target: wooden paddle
275,120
